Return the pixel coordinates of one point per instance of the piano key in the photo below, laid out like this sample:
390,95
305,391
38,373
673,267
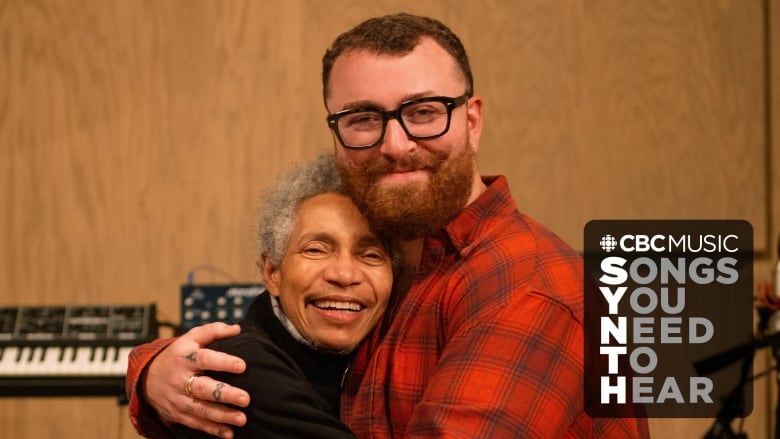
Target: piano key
96,365
37,366
29,360
116,362
124,354
22,361
80,366
9,362
66,366
99,366
50,363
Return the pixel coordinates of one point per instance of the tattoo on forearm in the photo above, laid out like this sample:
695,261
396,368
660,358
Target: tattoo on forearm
192,357
218,392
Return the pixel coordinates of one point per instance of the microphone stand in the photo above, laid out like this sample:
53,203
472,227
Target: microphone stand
733,405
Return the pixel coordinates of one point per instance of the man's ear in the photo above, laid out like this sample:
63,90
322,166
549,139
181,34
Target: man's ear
271,274
474,116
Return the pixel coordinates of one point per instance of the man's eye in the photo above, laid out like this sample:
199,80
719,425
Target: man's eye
360,119
422,113
419,112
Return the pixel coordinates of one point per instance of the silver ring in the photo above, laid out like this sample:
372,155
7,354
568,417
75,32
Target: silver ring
188,385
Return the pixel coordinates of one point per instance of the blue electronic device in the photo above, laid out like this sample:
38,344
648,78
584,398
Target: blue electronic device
216,303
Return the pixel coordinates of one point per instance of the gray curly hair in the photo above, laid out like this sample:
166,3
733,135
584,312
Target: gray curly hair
282,199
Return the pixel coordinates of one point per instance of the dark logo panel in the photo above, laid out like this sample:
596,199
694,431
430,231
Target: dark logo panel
662,297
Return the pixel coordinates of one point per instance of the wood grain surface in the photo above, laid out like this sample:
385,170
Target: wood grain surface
136,137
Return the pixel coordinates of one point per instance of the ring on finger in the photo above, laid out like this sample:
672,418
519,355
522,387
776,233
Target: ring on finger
188,385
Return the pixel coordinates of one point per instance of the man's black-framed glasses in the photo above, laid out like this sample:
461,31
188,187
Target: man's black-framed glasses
421,119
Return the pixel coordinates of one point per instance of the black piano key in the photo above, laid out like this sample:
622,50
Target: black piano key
58,353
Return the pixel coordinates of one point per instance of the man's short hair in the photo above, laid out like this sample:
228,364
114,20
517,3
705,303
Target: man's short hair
396,34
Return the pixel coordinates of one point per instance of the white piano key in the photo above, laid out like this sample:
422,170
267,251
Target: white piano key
120,361
124,354
102,363
37,365
4,359
94,360
17,363
51,361
8,364
80,366
111,361
65,361
61,361
23,360
31,361
27,361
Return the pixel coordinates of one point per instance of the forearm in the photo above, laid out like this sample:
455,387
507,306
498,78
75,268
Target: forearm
145,420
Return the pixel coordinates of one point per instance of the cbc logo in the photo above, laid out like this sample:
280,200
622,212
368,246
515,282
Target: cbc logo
633,243
608,243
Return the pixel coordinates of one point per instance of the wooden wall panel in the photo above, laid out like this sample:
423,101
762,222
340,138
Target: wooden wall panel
613,109
136,136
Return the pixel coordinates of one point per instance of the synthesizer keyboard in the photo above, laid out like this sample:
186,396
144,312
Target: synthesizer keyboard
70,350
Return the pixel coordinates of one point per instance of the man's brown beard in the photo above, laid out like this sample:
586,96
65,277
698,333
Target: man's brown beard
412,210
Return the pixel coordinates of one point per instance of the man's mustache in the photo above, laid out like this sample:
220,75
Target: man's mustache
406,163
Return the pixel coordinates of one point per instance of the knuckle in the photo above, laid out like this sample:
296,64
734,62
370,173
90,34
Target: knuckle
202,411
200,387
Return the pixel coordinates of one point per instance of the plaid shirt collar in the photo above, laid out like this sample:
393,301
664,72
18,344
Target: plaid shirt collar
464,232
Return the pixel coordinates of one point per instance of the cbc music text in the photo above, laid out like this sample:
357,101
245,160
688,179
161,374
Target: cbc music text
661,243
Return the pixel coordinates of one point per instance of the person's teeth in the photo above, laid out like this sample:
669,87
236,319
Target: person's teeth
334,304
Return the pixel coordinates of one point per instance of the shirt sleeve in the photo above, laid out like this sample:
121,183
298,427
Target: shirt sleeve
143,417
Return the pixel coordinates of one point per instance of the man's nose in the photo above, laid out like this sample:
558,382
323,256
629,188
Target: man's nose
396,142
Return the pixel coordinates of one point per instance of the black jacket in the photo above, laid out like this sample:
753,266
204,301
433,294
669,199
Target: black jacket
294,389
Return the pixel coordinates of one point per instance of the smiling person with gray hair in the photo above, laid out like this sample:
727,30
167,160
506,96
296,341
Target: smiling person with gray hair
328,277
